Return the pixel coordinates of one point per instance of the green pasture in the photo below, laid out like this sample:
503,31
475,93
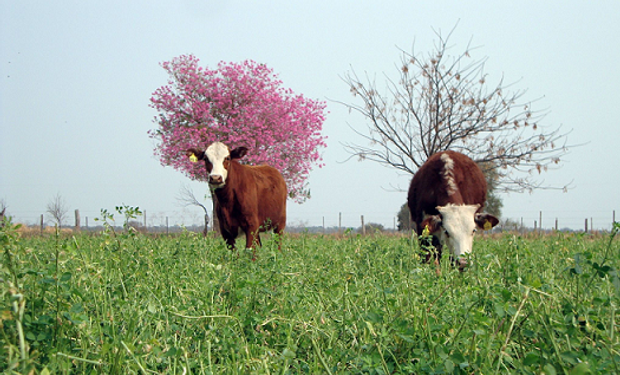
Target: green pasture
127,303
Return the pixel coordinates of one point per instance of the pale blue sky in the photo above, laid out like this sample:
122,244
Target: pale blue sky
76,78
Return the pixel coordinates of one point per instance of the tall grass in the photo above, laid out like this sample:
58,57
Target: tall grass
123,303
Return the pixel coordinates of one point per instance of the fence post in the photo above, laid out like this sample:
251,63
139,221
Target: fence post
339,222
586,225
363,227
41,223
556,224
540,221
323,224
167,230
77,220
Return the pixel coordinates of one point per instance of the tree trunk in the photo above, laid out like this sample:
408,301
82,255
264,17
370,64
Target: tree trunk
216,220
206,228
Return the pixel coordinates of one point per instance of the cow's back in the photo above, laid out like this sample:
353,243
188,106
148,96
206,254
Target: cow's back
447,177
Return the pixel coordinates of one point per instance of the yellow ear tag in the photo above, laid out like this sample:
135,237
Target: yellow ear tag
488,225
426,232
193,158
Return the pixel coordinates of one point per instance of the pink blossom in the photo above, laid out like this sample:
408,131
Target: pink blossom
240,104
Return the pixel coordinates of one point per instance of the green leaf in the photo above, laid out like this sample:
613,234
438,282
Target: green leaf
499,310
548,369
288,353
374,317
449,366
536,284
531,359
441,353
581,369
506,294
171,352
76,308
457,357
45,320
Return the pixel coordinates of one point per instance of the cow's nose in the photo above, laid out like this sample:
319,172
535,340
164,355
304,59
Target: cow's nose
462,264
215,179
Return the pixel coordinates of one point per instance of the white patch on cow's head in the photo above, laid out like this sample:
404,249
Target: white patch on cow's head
458,227
448,173
218,154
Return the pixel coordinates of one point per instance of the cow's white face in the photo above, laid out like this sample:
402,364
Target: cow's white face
458,228
217,157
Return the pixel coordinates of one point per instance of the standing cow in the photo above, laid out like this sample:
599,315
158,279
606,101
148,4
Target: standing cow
248,198
446,196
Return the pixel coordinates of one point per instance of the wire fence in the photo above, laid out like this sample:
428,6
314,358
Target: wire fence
194,220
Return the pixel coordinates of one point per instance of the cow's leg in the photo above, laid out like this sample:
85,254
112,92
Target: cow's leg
431,249
230,242
437,254
279,232
229,237
438,247
252,239
249,239
258,243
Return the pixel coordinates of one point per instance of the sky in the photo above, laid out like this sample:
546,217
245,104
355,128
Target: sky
76,78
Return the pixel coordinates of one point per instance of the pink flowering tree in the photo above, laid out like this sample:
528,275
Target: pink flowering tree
240,105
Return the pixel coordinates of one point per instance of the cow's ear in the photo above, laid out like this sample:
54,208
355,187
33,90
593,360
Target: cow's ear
433,223
196,153
486,221
238,152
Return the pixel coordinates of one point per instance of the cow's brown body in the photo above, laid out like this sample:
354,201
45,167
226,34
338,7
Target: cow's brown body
253,200
447,180
429,188
248,198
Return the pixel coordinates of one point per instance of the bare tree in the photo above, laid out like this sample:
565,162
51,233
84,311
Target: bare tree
57,209
3,208
187,198
443,102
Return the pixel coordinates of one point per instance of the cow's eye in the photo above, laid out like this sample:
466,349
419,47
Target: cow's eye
446,233
475,230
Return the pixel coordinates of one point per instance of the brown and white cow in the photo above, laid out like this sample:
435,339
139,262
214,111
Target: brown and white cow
248,198
446,196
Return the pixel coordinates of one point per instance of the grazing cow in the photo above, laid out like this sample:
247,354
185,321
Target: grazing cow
446,196
248,198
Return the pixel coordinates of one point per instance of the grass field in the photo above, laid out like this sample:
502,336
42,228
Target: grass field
123,303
